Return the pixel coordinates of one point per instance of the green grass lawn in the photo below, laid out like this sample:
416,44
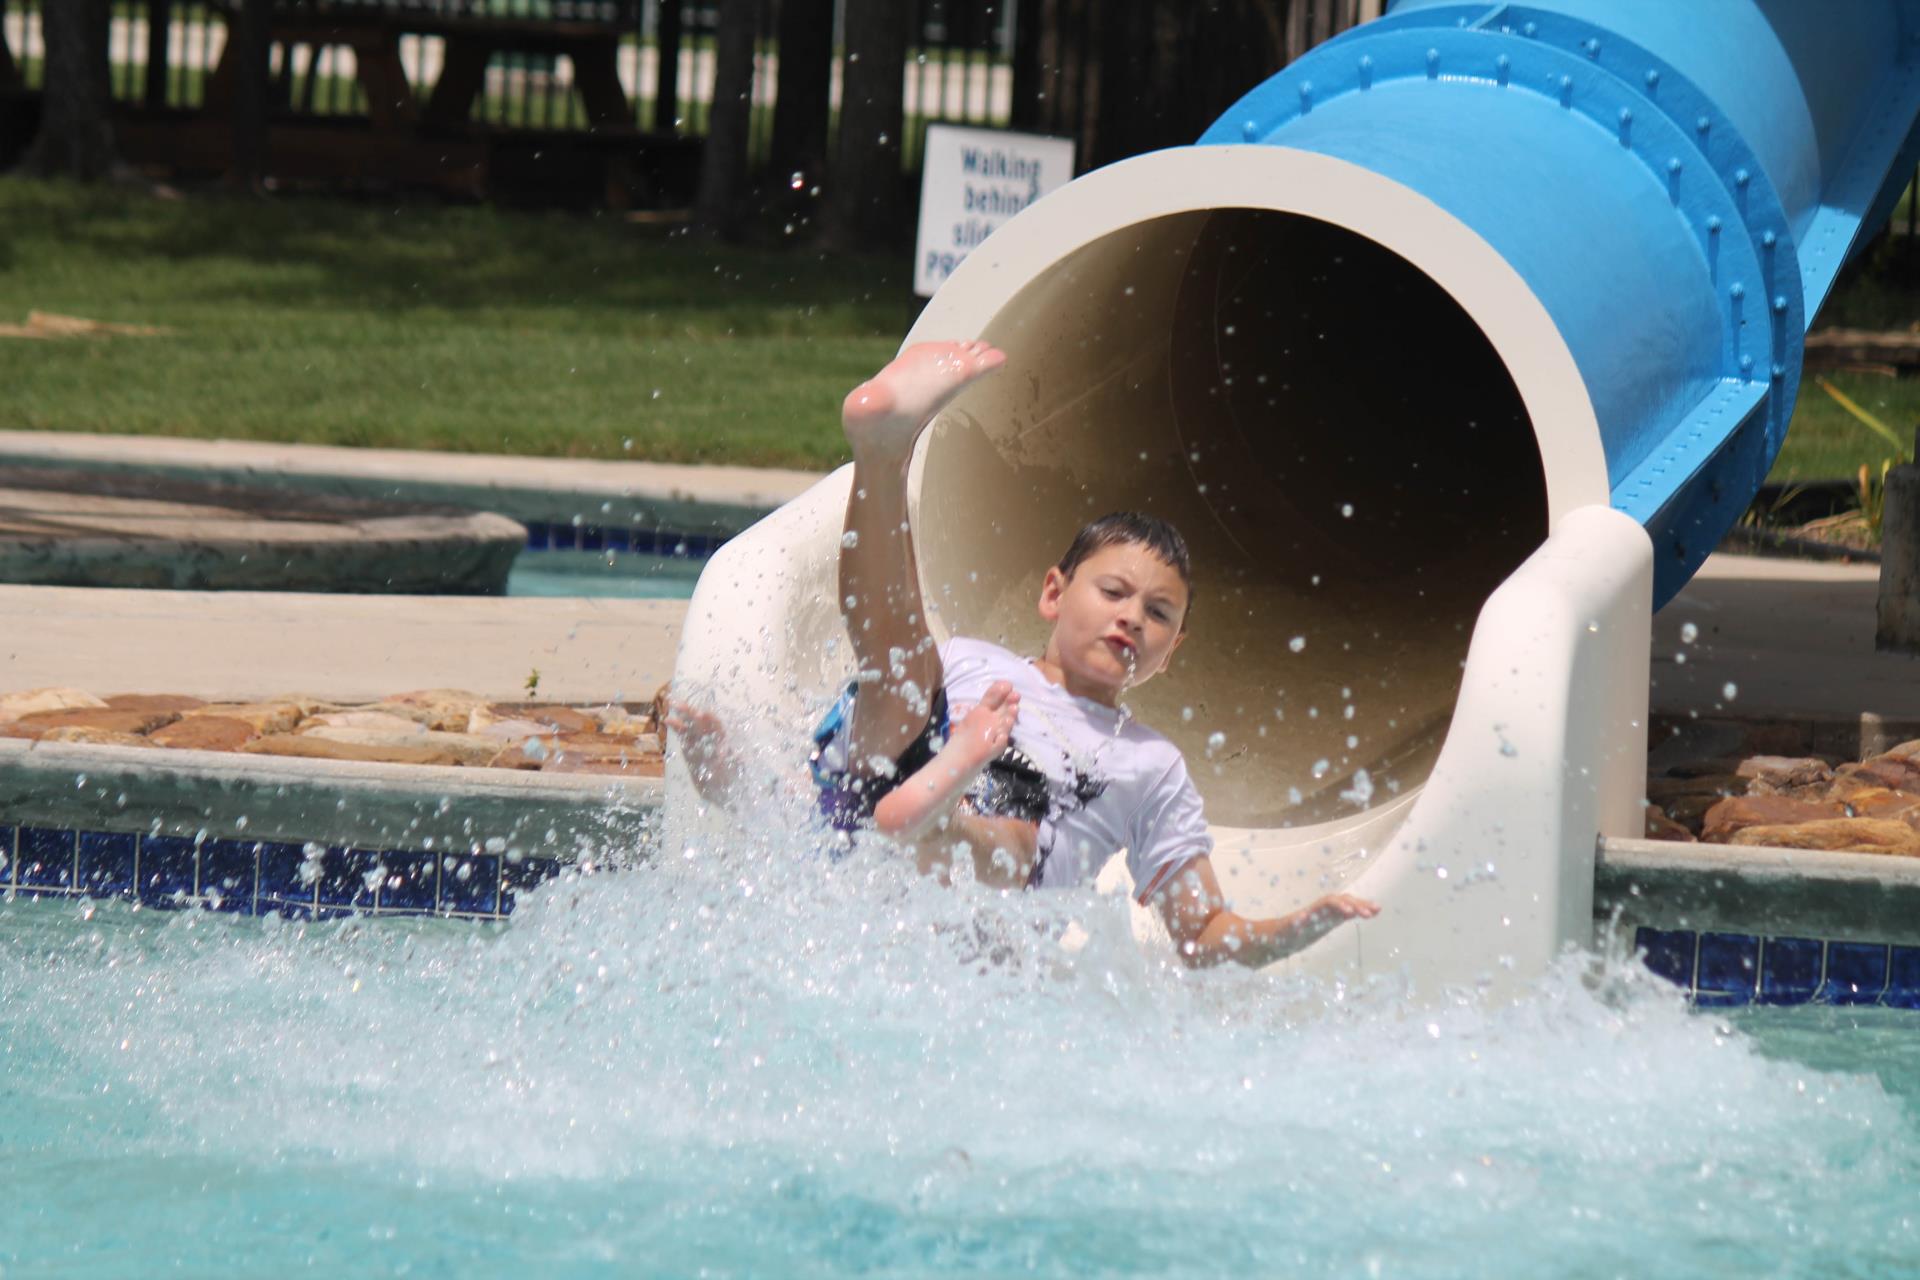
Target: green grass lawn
1825,442
425,326
470,329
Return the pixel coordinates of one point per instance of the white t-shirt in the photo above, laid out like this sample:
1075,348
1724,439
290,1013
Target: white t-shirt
1106,790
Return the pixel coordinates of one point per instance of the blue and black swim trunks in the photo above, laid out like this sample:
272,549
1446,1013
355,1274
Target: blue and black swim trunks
1011,786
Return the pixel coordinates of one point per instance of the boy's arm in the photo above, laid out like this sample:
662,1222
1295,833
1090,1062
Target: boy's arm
1205,933
925,810
927,813
1003,849
927,795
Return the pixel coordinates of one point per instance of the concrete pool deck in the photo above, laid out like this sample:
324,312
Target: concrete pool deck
240,644
1795,637
233,644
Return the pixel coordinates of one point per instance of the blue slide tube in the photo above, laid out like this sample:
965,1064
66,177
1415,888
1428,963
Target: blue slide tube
1678,182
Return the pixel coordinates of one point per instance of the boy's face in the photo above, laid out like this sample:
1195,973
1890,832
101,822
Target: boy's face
1122,602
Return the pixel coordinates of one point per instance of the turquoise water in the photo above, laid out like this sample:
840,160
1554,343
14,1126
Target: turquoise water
626,574
739,1062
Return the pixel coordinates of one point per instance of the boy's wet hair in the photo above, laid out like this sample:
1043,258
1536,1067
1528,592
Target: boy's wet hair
1120,528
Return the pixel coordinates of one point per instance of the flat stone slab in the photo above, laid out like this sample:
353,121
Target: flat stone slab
691,499
62,526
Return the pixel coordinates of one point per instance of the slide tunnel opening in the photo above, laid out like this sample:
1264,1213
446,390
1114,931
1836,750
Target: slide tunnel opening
1343,448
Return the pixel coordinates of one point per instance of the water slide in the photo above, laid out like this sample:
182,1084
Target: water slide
1453,348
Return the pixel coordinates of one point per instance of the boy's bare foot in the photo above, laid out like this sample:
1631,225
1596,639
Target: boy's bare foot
982,733
885,414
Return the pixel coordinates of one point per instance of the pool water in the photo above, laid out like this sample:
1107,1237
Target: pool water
629,575
739,1061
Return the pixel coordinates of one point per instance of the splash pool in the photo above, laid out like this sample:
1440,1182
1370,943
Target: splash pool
763,1065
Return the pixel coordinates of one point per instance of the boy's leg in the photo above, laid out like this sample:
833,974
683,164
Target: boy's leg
879,576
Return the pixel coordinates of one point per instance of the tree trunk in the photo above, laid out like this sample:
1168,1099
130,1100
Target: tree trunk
723,162
863,200
1127,76
249,27
76,124
801,100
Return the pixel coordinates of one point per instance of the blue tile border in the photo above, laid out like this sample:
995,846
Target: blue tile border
568,535
1856,972
1729,969
264,877
1790,970
47,859
1723,970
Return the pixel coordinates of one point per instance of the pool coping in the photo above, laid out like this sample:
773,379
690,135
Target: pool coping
1855,897
1734,925
362,804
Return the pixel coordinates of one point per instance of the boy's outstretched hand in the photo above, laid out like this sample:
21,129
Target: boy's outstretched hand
1338,907
703,745
1206,933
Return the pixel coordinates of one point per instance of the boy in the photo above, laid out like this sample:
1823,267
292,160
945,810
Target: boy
1042,777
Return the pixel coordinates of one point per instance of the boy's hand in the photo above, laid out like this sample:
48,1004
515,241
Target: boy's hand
1337,908
986,728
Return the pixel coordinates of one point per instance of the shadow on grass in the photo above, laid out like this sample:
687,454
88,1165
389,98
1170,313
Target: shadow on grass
415,254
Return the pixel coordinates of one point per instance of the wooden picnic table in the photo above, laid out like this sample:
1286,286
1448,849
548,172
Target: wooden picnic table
473,37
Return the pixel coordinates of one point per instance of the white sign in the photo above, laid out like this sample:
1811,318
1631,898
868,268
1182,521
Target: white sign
974,180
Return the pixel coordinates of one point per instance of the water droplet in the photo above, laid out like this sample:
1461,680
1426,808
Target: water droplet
1346,510
1729,691
1688,633
797,181
850,539
1320,767
656,393
1293,795
1186,713
1297,643
1215,741
1361,791
1679,659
